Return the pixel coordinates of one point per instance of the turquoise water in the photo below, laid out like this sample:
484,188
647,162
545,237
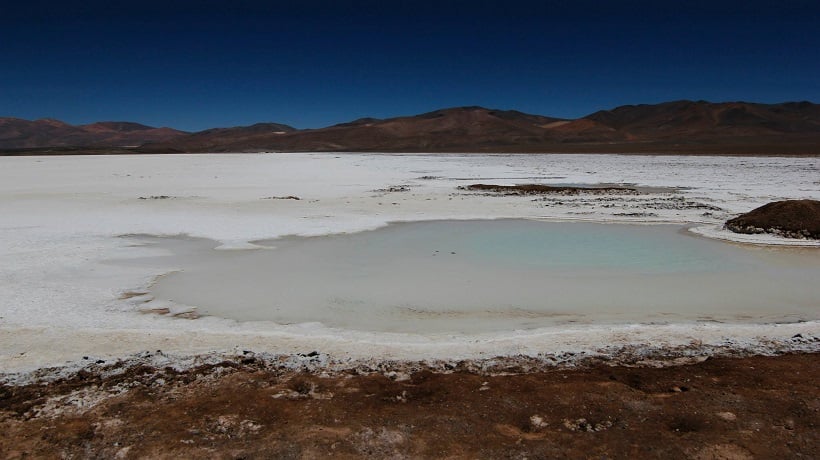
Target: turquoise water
481,276
649,249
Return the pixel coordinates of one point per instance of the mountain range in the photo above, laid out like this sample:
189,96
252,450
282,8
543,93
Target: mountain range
673,127
16,133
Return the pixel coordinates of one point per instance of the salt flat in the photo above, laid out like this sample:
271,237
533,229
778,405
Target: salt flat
62,218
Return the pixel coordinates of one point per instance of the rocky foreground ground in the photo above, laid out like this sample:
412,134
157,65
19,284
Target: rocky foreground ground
719,408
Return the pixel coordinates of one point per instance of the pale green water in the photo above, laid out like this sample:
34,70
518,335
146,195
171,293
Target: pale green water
480,276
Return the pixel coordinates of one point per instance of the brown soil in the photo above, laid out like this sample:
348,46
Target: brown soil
722,408
790,218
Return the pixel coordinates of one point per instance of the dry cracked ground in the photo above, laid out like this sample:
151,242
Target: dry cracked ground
721,408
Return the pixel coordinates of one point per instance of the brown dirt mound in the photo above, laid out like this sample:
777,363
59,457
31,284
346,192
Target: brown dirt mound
540,189
790,218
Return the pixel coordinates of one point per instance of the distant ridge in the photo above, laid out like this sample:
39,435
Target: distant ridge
706,119
687,127
461,127
16,133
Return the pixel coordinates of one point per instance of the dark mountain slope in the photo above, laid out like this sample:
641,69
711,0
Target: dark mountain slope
466,128
687,127
16,133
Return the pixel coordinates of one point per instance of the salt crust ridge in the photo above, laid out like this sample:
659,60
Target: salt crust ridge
637,354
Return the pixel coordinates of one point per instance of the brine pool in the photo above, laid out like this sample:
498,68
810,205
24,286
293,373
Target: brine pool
489,276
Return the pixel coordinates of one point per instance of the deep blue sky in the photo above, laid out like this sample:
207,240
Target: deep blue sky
200,64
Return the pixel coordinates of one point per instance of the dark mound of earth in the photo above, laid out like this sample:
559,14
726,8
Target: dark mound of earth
790,219
540,189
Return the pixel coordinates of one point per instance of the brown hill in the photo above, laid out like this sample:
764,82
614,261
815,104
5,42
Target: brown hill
790,218
706,120
16,133
685,127
465,128
222,139
673,127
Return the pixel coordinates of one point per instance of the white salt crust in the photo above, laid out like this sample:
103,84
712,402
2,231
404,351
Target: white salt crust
61,219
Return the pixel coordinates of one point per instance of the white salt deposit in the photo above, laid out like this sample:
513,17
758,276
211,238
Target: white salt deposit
61,218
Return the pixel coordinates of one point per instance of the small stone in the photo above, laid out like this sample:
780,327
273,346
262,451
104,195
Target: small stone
728,416
537,422
398,376
789,424
603,425
583,425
